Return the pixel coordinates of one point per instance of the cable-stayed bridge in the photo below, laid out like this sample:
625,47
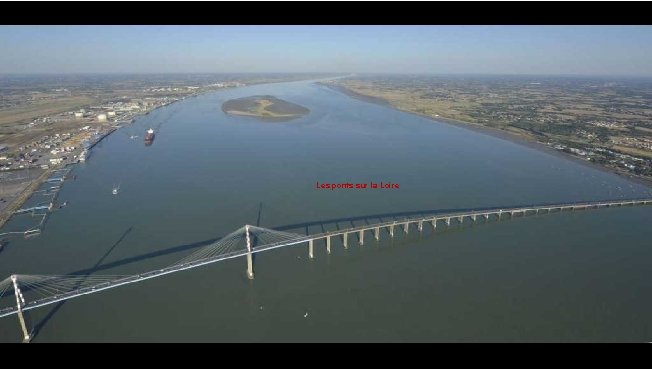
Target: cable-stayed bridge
43,290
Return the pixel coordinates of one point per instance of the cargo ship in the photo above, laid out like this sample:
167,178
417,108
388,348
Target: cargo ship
149,137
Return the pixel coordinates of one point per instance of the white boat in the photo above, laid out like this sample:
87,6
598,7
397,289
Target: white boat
115,190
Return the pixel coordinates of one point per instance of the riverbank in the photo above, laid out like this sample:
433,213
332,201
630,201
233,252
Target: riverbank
494,132
8,211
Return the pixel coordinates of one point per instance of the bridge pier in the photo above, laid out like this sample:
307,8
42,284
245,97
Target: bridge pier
362,237
406,227
434,224
461,219
391,231
473,218
345,240
377,233
20,302
448,222
250,261
310,250
328,244
486,217
420,226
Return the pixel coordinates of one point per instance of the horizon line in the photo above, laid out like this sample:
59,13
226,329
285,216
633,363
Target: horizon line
329,73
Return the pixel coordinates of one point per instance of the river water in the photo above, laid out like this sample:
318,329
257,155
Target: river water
580,276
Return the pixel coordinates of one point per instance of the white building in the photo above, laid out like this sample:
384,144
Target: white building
79,115
101,118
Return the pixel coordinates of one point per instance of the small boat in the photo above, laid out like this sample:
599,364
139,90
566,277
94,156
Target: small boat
132,137
115,190
32,233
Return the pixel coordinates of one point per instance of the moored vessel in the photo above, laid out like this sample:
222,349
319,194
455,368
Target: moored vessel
149,137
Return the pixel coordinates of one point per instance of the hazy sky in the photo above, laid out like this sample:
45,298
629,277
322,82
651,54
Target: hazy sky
603,50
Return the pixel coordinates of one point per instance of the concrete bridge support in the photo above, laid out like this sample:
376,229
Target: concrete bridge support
391,231
20,302
377,233
250,261
473,218
461,219
361,237
420,226
310,250
345,237
434,224
406,227
328,244
448,222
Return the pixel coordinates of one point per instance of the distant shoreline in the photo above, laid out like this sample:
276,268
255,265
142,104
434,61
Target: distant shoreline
494,132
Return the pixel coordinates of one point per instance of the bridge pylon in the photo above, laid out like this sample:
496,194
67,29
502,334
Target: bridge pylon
250,262
20,302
